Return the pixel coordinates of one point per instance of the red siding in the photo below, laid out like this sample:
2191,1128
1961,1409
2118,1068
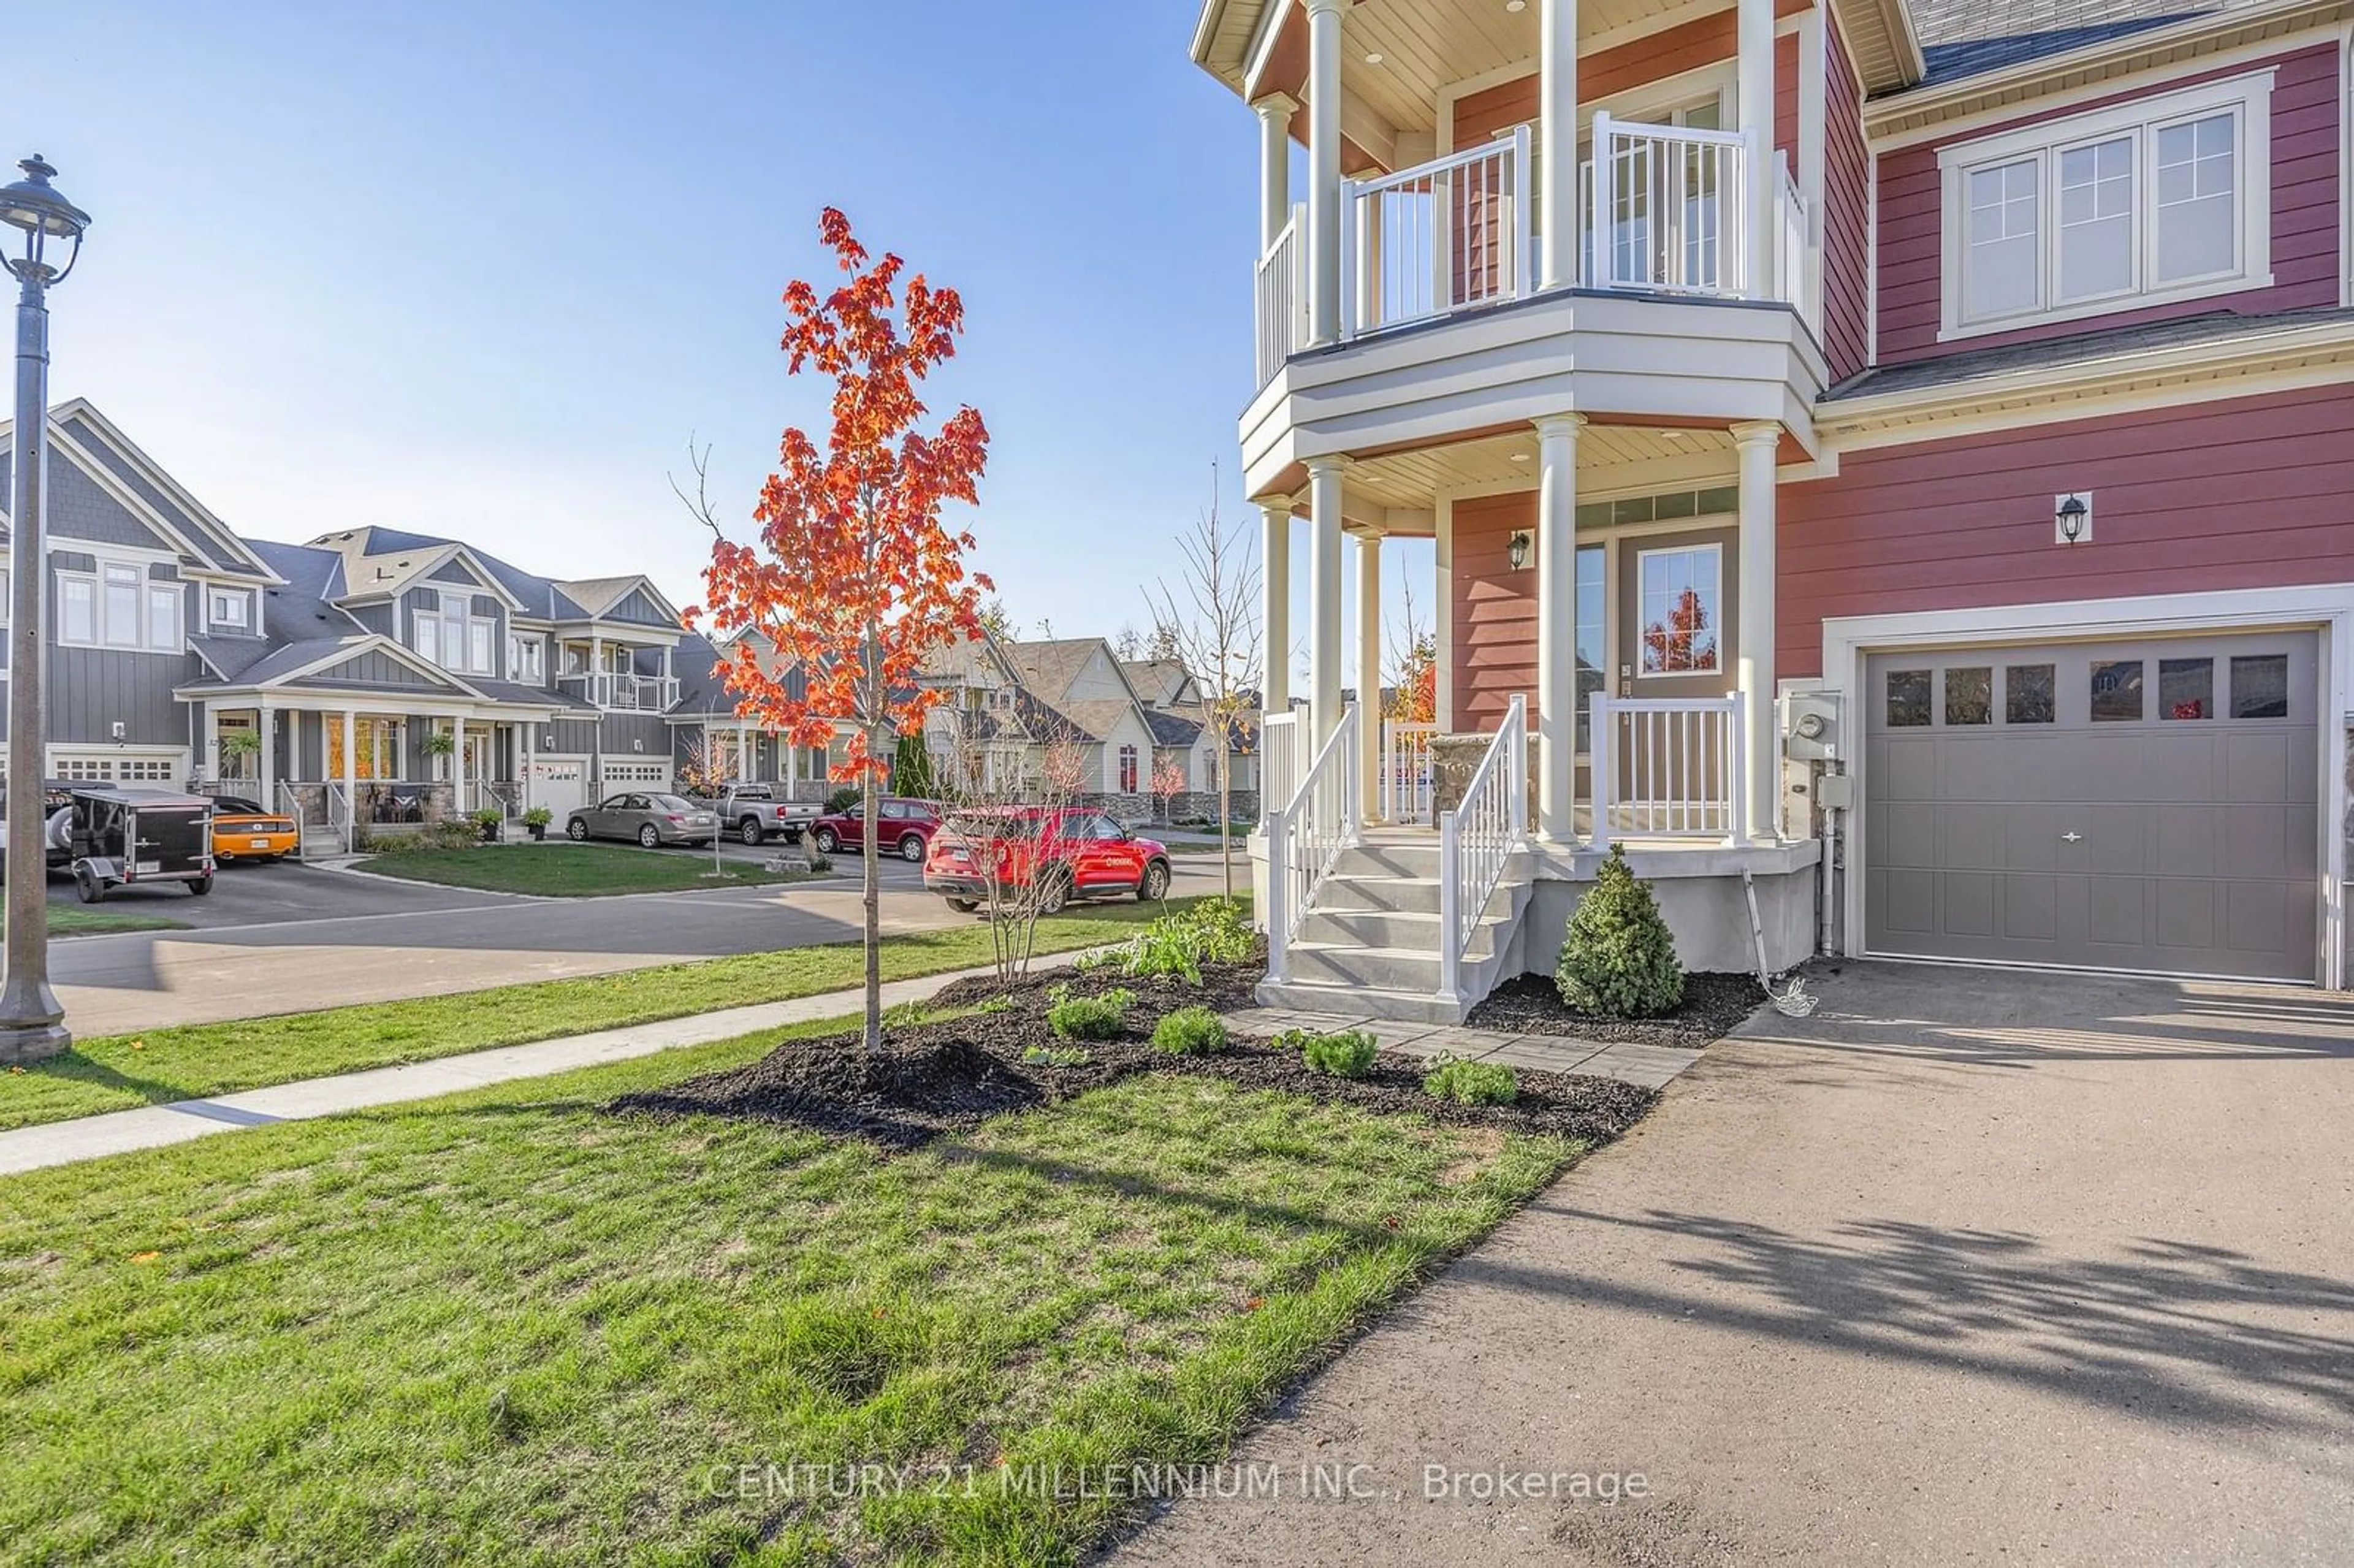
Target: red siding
2248,493
2305,216
1495,610
1847,237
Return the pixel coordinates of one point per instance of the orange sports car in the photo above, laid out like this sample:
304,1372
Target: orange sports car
243,831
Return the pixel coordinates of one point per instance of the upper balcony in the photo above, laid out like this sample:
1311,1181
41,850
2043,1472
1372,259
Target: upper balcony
622,692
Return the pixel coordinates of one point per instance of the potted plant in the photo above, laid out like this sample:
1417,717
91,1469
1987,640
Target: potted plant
490,819
237,747
536,820
440,742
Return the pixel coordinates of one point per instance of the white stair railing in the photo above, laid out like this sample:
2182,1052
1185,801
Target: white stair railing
1476,841
1282,294
1305,838
1668,767
1406,770
1279,760
1443,235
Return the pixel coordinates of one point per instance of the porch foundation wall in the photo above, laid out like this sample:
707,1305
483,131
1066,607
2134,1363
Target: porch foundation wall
1706,910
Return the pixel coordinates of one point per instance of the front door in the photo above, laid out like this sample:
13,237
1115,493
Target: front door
479,752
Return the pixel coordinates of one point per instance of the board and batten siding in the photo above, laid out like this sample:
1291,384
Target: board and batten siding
2253,493
2306,119
89,689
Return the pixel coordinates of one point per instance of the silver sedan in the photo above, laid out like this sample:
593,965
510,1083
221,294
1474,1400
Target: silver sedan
652,820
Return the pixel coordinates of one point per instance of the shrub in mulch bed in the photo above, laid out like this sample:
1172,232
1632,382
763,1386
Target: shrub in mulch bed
955,1073
1714,1005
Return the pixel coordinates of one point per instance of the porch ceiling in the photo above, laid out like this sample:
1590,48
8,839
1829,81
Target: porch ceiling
1609,457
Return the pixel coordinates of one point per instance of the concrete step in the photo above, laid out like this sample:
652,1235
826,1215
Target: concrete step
1359,1002
1417,893
1414,930
1390,858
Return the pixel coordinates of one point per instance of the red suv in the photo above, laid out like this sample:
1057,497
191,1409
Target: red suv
906,826
1079,854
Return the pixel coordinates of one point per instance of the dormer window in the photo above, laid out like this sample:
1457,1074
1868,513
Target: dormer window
446,632
2140,204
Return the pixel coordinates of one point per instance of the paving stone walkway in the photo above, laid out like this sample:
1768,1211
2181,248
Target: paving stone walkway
1652,1067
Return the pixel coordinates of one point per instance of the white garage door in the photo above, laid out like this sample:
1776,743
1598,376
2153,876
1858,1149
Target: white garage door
119,767
560,784
2151,805
636,775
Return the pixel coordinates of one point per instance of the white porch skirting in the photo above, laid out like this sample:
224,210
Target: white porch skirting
1699,895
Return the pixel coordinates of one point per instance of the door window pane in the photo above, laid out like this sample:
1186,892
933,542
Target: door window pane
2116,690
2197,221
1969,694
1681,601
2097,224
2000,274
2027,694
2186,688
1908,698
2259,685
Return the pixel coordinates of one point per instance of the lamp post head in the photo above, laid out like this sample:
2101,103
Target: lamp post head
47,221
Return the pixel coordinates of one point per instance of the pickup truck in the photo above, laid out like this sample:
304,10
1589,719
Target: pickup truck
755,814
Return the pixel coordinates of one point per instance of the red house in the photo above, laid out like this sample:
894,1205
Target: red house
1899,451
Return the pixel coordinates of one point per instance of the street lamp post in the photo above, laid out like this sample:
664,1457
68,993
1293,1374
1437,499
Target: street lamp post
32,1022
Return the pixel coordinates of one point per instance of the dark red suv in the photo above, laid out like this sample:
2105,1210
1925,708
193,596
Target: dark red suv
903,827
1079,854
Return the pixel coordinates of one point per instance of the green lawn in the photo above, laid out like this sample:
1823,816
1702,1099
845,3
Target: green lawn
75,921
562,870
193,1061
501,1327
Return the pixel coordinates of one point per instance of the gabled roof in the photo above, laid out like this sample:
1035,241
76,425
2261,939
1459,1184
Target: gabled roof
381,562
1964,37
1050,666
598,596
304,604
212,541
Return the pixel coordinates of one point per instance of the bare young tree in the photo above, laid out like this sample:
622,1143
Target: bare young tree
1004,819
1213,630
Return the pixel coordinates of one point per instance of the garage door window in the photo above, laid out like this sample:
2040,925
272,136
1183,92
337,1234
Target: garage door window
1908,698
2259,685
2028,691
2186,689
2116,691
1969,694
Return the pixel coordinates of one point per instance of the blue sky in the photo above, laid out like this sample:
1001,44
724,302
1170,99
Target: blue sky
484,270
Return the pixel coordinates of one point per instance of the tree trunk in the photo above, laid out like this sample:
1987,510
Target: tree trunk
1225,810
871,898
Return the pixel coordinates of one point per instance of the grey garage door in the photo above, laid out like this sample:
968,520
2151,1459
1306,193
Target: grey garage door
2146,806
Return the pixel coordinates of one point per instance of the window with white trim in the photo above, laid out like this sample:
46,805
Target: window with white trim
1680,595
446,633
524,659
225,610
117,606
2166,198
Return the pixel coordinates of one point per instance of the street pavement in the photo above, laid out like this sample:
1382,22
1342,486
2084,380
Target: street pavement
290,938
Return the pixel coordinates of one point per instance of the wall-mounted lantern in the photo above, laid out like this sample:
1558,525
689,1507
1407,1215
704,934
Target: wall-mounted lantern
1520,548
2072,518
121,729
637,744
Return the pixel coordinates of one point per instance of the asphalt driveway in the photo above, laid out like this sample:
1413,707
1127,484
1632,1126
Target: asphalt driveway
1970,1267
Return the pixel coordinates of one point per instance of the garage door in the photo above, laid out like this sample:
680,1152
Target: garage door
636,775
2151,805
560,784
118,767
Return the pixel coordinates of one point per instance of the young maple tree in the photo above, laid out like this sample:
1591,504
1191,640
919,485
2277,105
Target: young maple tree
853,577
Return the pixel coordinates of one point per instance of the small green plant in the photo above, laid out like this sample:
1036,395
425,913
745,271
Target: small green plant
438,743
1057,1056
1191,1031
1180,942
1001,1003
1347,1054
904,1014
1618,958
538,817
1101,958
1472,1083
1089,1017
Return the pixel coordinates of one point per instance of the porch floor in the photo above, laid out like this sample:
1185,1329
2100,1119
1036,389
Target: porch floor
1649,1067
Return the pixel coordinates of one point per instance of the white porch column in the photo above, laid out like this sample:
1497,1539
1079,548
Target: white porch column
1557,628
457,762
1442,705
1753,37
265,722
1557,142
1324,598
344,768
1275,585
1369,674
1754,659
1275,112
524,733
208,729
1324,169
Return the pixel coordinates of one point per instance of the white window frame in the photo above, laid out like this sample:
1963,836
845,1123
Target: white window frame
2248,98
526,660
142,597
1719,661
238,600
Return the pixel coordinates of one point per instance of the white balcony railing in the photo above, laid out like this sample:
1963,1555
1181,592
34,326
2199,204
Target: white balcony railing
1306,835
1446,236
1476,841
1667,768
1662,209
1282,294
630,694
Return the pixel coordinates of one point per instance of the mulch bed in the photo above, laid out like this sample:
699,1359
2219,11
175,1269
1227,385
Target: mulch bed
1714,1004
952,1074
